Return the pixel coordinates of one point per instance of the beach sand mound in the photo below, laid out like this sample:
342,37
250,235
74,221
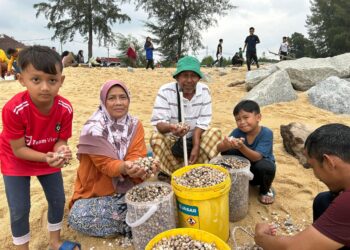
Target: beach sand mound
295,186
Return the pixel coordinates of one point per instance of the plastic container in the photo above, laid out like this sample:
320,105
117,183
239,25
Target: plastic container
147,219
239,193
203,208
194,233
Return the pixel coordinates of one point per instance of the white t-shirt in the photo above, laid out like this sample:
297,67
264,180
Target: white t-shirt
284,47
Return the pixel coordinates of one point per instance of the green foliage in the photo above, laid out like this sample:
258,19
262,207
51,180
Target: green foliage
328,26
180,23
208,61
227,61
123,43
87,17
301,46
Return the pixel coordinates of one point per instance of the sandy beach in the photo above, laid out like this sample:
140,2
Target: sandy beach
295,186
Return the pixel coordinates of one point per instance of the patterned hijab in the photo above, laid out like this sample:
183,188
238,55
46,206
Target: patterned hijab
104,135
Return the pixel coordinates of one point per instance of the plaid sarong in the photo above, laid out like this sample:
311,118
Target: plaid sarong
161,146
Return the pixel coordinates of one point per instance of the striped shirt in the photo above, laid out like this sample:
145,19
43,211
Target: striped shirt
197,111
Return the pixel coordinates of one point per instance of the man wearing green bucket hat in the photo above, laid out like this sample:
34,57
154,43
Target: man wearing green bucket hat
166,141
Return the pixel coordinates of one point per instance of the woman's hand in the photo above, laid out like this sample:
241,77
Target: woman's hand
155,168
134,170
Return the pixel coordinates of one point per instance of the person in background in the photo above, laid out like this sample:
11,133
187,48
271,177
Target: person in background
3,64
80,57
236,60
68,59
250,43
131,54
284,48
149,53
12,68
219,57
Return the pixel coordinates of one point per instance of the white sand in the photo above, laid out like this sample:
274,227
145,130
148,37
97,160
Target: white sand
295,186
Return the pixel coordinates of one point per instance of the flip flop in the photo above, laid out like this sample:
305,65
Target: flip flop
69,245
271,194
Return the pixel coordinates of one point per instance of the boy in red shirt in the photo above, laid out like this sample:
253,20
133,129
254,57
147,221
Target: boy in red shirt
36,126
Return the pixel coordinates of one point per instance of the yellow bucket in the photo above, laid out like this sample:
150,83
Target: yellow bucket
204,208
194,233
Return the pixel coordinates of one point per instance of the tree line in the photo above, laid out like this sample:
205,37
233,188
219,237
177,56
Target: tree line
176,25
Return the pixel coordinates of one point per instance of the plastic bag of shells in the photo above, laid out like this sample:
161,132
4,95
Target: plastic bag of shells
239,169
151,210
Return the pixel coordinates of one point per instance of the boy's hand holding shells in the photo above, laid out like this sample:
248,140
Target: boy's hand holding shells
236,143
60,158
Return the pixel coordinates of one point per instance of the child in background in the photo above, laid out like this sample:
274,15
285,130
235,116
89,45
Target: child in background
36,126
253,142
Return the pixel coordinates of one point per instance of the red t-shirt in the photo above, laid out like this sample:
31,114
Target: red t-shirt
21,118
335,221
131,53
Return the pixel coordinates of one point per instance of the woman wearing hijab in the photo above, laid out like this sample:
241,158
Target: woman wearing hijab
110,141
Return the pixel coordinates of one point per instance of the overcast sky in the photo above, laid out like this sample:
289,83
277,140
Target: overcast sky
272,20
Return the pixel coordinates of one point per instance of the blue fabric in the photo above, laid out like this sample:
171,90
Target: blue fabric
263,143
251,42
15,66
69,245
18,197
149,53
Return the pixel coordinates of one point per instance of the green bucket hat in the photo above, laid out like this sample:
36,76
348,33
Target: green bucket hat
188,63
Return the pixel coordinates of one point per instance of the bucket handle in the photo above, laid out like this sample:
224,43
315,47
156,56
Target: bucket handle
144,217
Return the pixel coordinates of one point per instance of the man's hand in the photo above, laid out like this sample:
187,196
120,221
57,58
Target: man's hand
262,229
194,155
179,129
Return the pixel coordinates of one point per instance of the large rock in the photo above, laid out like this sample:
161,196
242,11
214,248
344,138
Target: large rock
294,135
254,77
305,72
332,94
275,88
